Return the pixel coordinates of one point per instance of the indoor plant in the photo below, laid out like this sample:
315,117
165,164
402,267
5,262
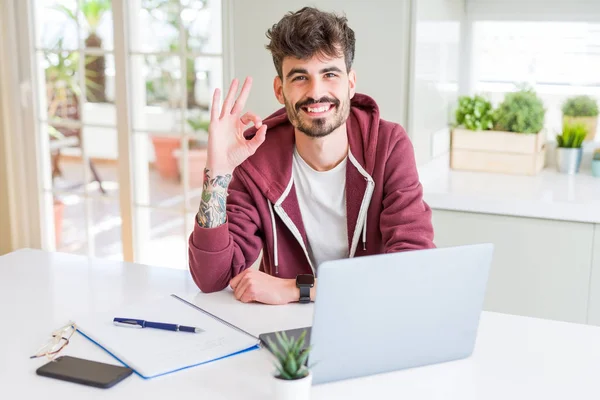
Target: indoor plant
520,112
475,113
515,142
293,379
568,147
582,109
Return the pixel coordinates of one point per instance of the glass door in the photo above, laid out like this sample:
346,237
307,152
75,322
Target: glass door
123,91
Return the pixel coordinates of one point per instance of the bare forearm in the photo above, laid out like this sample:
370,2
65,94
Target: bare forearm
213,212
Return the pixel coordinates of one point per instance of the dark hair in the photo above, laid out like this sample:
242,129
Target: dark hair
309,32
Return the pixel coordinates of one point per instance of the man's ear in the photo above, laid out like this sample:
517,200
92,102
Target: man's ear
278,88
352,83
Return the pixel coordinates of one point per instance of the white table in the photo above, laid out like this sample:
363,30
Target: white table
515,357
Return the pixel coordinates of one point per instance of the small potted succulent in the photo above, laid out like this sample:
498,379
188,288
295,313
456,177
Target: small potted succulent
569,147
582,109
292,380
596,163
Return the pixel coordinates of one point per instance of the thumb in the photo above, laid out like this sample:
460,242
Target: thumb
258,139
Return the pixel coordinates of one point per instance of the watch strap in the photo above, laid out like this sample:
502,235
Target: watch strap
304,294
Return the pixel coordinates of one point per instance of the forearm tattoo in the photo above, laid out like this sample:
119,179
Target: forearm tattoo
212,211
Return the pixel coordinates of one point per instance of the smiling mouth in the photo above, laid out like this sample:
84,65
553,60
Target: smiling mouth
318,110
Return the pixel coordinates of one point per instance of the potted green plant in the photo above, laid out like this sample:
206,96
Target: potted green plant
569,150
582,109
596,163
197,153
521,112
475,113
509,139
93,11
292,380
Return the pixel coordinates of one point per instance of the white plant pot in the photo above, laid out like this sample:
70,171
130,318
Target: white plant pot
298,389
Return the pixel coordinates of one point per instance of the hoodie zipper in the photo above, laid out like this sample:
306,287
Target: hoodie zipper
364,206
290,224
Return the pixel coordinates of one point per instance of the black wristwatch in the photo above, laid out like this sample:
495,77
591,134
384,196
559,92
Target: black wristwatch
305,282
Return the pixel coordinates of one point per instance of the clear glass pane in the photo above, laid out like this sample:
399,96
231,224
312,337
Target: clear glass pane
65,165
106,228
96,24
154,26
100,81
101,147
205,74
197,125
70,228
156,171
56,24
157,92
515,52
202,23
164,242
61,93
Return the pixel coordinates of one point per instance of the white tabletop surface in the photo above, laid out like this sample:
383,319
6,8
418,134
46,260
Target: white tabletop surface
514,358
548,195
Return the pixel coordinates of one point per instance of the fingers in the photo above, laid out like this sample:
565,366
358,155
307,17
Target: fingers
258,139
214,111
229,99
240,103
241,289
251,117
235,281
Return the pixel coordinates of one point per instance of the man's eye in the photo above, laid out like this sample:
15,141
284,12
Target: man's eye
299,78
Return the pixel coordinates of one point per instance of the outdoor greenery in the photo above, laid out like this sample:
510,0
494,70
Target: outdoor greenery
93,11
199,125
163,82
580,106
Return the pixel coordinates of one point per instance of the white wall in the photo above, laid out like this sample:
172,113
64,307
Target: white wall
382,45
435,74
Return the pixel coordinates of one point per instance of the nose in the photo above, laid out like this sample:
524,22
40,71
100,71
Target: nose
316,89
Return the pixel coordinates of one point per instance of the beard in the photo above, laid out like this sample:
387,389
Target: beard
318,127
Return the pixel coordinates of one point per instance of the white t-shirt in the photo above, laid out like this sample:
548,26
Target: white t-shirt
322,200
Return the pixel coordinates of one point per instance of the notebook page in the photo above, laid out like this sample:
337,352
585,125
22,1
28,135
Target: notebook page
151,352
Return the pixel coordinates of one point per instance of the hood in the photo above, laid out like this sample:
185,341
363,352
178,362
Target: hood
271,166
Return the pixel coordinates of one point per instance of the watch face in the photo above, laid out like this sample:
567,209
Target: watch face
305,279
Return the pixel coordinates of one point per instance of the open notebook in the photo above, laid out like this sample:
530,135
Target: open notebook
154,352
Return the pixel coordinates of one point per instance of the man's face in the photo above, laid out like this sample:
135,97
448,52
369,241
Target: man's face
316,93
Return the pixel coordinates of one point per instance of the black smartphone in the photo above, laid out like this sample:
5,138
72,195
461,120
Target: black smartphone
86,372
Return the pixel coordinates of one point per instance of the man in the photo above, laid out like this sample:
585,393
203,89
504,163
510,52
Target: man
323,178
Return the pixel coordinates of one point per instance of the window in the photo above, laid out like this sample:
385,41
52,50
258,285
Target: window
175,61
560,59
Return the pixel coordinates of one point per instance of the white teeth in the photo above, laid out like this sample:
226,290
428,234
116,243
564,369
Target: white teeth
319,109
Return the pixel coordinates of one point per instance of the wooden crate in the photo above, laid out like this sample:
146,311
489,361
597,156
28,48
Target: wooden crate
497,151
591,123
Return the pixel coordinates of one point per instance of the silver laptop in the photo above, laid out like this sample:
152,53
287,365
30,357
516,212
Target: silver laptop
389,312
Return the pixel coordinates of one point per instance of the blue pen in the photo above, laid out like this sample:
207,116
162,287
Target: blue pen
140,323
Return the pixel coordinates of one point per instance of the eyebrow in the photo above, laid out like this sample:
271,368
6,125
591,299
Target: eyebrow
294,71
